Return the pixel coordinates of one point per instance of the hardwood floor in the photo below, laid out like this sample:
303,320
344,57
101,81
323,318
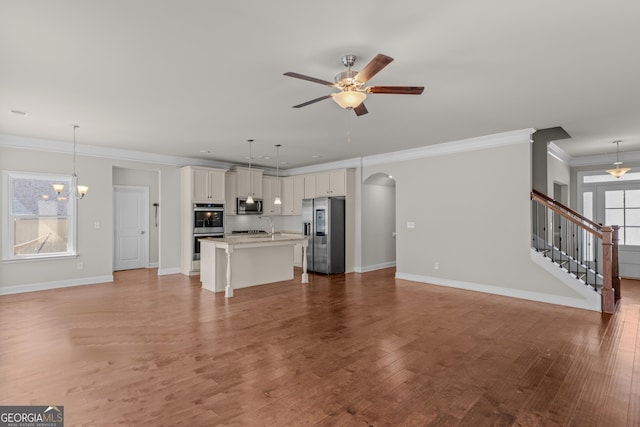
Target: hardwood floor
355,349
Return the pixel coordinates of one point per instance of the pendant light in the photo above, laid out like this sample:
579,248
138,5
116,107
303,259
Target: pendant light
277,201
250,195
79,191
618,171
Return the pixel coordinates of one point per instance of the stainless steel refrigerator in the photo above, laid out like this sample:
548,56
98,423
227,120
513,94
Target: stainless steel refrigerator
323,225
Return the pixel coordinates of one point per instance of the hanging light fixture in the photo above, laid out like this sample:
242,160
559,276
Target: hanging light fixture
277,201
79,191
618,171
250,195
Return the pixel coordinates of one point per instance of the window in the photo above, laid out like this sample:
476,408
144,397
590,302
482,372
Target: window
622,207
38,222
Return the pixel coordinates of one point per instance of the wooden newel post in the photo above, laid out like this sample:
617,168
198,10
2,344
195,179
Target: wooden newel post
615,272
607,293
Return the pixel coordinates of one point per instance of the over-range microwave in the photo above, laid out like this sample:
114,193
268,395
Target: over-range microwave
244,208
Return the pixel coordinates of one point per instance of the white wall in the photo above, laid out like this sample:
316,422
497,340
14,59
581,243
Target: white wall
472,216
95,246
378,223
558,172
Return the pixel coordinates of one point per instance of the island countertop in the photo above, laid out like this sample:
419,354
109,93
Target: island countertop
256,238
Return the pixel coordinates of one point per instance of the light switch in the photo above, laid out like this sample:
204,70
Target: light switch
411,224
96,225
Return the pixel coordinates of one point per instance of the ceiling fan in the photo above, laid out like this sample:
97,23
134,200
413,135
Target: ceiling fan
352,92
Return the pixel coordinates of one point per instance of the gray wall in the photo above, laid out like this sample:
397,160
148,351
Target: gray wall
472,215
95,246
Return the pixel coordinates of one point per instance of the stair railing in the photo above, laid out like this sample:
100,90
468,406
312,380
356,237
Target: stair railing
584,248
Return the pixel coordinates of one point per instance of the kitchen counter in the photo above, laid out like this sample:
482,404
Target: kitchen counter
240,261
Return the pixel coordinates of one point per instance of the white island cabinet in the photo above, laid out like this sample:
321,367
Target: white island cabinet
239,262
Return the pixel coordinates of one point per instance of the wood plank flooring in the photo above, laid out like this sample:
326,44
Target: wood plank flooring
349,350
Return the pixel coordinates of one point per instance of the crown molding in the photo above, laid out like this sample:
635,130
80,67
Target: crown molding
453,147
463,145
605,159
559,153
27,143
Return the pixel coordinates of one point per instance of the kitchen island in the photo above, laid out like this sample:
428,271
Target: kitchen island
239,262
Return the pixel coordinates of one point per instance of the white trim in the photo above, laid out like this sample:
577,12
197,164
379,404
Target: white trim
43,286
605,159
166,271
374,267
498,290
12,141
557,152
453,147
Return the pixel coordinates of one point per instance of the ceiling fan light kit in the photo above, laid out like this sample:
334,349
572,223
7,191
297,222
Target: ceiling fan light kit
349,99
351,94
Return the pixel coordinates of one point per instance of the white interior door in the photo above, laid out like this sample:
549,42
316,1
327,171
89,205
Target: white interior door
131,217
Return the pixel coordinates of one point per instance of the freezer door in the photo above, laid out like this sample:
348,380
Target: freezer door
321,235
307,229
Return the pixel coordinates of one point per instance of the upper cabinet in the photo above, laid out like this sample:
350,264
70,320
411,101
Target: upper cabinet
326,184
248,181
292,194
204,184
271,188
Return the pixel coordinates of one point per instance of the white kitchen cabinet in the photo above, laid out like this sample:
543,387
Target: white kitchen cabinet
248,181
292,195
310,186
231,193
270,189
197,185
327,184
207,185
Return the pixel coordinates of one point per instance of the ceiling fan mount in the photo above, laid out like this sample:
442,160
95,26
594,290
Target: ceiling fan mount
351,94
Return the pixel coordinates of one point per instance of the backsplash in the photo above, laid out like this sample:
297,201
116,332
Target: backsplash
291,223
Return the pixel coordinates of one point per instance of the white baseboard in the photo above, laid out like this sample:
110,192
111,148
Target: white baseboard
375,267
498,290
165,271
43,286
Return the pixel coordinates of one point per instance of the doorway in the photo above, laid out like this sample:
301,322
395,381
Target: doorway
378,222
131,227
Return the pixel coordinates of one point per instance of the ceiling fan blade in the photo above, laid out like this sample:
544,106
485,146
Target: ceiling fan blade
398,90
361,110
304,104
310,79
373,67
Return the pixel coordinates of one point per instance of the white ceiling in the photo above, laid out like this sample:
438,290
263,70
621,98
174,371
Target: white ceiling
177,77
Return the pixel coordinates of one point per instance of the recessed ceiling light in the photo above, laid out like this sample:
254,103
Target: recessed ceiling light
266,157
315,156
205,151
19,113
283,163
390,177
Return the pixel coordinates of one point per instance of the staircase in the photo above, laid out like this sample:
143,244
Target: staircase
584,249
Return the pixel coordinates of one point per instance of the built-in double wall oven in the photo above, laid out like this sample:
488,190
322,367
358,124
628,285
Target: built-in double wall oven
208,221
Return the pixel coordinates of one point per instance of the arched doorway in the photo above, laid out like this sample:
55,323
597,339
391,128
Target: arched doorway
378,222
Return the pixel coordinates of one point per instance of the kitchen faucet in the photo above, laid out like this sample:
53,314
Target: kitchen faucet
270,222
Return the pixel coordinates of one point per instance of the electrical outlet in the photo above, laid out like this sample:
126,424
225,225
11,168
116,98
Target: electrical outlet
80,265
436,265
411,224
97,225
